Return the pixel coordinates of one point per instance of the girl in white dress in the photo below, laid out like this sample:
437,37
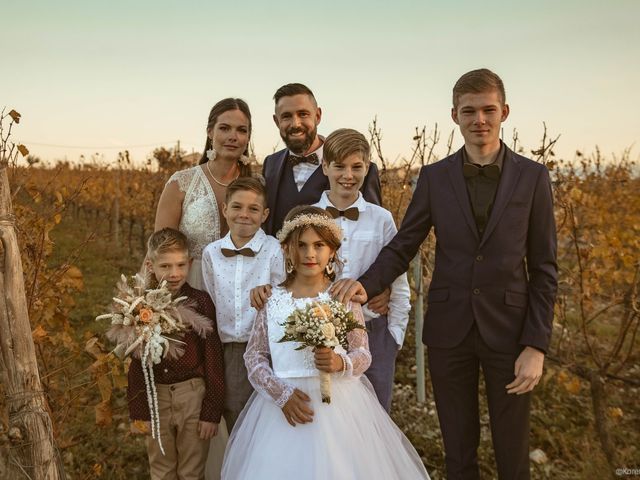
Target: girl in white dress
192,200
285,431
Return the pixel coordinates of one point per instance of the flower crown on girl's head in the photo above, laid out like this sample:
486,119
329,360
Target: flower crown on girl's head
309,220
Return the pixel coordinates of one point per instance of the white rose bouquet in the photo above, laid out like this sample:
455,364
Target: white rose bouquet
320,324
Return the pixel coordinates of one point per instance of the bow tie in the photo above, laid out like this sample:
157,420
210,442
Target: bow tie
350,213
472,170
296,159
230,252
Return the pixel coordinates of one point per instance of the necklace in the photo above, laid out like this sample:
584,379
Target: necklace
218,181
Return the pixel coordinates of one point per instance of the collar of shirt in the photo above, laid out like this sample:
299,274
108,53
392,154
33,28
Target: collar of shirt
498,161
360,203
255,244
184,290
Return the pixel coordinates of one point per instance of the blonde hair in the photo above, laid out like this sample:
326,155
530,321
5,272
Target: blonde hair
478,81
344,142
166,240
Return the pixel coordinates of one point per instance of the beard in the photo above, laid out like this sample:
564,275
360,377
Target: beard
299,145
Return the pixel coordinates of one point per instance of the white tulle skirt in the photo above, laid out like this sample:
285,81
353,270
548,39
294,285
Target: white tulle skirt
352,438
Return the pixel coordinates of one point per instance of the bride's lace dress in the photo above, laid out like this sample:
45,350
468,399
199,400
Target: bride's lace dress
200,220
350,438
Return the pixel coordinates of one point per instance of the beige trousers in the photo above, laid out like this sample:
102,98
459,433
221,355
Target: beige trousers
179,406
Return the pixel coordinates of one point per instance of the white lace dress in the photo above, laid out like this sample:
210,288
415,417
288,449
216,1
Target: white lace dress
200,220
351,438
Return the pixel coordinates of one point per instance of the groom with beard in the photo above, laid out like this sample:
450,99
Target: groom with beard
294,175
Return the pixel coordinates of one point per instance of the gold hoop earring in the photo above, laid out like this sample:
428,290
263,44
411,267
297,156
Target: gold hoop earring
289,266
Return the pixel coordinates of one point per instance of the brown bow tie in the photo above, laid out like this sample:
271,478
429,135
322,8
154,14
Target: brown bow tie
230,252
296,159
472,170
350,213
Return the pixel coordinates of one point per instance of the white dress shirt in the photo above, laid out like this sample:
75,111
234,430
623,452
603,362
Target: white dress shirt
303,171
362,241
228,280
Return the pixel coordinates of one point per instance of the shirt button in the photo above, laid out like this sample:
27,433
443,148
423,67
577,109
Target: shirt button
476,291
479,258
166,371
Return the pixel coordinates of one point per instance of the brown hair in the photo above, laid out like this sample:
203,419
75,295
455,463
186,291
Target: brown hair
478,81
292,239
218,109
166,240
252,184
291,89
344,142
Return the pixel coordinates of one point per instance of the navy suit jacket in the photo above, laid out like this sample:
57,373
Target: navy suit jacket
505,281
273,171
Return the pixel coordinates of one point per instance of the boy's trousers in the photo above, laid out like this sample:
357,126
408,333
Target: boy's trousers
384,350
237,388
185,454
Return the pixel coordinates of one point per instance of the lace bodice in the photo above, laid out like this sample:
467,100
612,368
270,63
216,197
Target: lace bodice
200,220
269,363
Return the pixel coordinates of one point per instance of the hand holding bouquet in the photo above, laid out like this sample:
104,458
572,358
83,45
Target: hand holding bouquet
320,324
146,324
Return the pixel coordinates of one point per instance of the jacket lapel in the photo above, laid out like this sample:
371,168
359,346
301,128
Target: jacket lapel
272,179
508,181
460,188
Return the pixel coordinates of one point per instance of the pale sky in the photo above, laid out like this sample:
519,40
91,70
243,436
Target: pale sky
139,74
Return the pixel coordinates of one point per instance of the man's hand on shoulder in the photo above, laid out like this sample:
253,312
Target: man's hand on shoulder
347,290
528,371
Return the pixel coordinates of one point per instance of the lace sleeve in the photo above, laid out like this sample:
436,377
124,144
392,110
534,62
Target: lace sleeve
358,358
182,178
259,370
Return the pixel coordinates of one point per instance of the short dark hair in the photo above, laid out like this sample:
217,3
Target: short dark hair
478,81
252,184
291,89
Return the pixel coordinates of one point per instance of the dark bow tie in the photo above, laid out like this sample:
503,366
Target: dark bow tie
296,159
472,170
230,252
350,213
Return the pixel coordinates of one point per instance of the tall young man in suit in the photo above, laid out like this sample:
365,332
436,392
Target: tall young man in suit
490,302
293,175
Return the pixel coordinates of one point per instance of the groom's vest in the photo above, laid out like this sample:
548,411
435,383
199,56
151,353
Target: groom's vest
289,196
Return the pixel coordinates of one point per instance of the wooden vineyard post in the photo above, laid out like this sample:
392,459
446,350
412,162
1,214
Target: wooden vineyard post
418,312
32,453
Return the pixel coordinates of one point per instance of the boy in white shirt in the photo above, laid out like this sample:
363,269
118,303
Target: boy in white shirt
367,229
231,267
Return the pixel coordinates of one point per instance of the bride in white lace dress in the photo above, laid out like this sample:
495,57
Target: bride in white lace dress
192,199
285,431
192,202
